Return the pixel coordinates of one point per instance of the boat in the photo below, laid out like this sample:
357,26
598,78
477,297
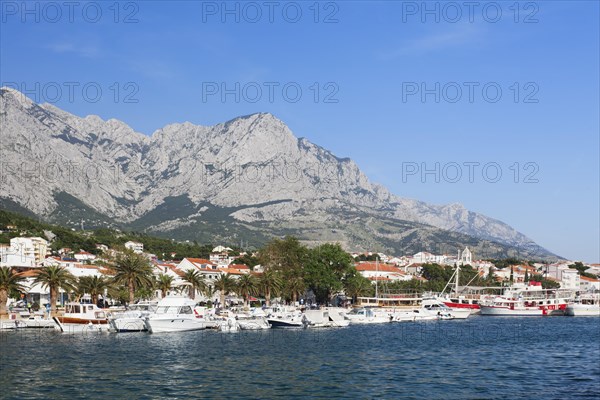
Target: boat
27,320
11,323
229,325
286,318
367,315
586,305
324,318
79,318
177,314
253,324
440,309
458,301
132,319
530,300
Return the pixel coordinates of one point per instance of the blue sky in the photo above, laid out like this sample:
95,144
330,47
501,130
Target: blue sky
370,62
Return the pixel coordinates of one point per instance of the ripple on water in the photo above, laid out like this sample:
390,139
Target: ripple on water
477,358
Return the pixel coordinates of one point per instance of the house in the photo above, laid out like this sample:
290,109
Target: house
202,265
27,252
222,259
83,256
376,271
137,247
413,268
588,284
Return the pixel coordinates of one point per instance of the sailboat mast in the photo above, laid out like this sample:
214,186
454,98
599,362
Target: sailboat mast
456,281
377,277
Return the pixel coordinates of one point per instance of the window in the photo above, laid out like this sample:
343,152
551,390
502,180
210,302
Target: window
186,310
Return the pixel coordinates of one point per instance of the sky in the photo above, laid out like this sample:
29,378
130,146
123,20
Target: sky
494,105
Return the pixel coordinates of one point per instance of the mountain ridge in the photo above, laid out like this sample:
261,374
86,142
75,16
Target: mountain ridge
269,180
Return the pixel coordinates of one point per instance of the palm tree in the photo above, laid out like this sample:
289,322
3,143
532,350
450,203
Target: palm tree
164,284
357,286
9,282
224,284
55,278
132,270
94,285
196,281
270,283
246,286
295,286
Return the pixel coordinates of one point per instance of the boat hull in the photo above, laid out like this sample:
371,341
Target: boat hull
516,312
583,310
176,324
127,325
282,323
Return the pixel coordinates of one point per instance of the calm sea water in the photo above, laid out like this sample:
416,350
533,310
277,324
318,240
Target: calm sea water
478,358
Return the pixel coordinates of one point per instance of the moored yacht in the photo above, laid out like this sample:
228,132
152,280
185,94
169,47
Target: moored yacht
367,315
324,318
440,309
530,300
587,305
132,319
177,314
79,318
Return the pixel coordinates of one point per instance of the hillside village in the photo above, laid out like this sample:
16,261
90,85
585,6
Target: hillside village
27,254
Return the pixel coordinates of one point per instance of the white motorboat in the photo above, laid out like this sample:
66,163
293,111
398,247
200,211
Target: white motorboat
81,318
443,311
35,320
587,305
417,314
252,323
286,318
133,319
12,323
324,319
366,315
177,314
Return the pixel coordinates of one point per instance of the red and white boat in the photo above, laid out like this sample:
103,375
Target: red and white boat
530,300
79,318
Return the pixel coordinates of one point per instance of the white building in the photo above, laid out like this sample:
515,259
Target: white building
83,256
27,252
137,247
570,279
206,267
588,284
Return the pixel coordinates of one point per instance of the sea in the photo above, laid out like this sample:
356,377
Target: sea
478,358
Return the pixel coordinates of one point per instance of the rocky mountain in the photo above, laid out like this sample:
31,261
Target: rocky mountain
246,179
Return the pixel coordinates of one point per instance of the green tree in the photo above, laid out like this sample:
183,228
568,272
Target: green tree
164,284
357,286
270,283
55,278
134,271
247,259
9,282
327,267
246,286
224,284
196,281
93,285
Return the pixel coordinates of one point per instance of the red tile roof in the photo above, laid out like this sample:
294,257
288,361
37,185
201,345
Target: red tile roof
380,268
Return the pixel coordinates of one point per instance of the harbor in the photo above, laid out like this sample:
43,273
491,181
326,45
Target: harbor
478,357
